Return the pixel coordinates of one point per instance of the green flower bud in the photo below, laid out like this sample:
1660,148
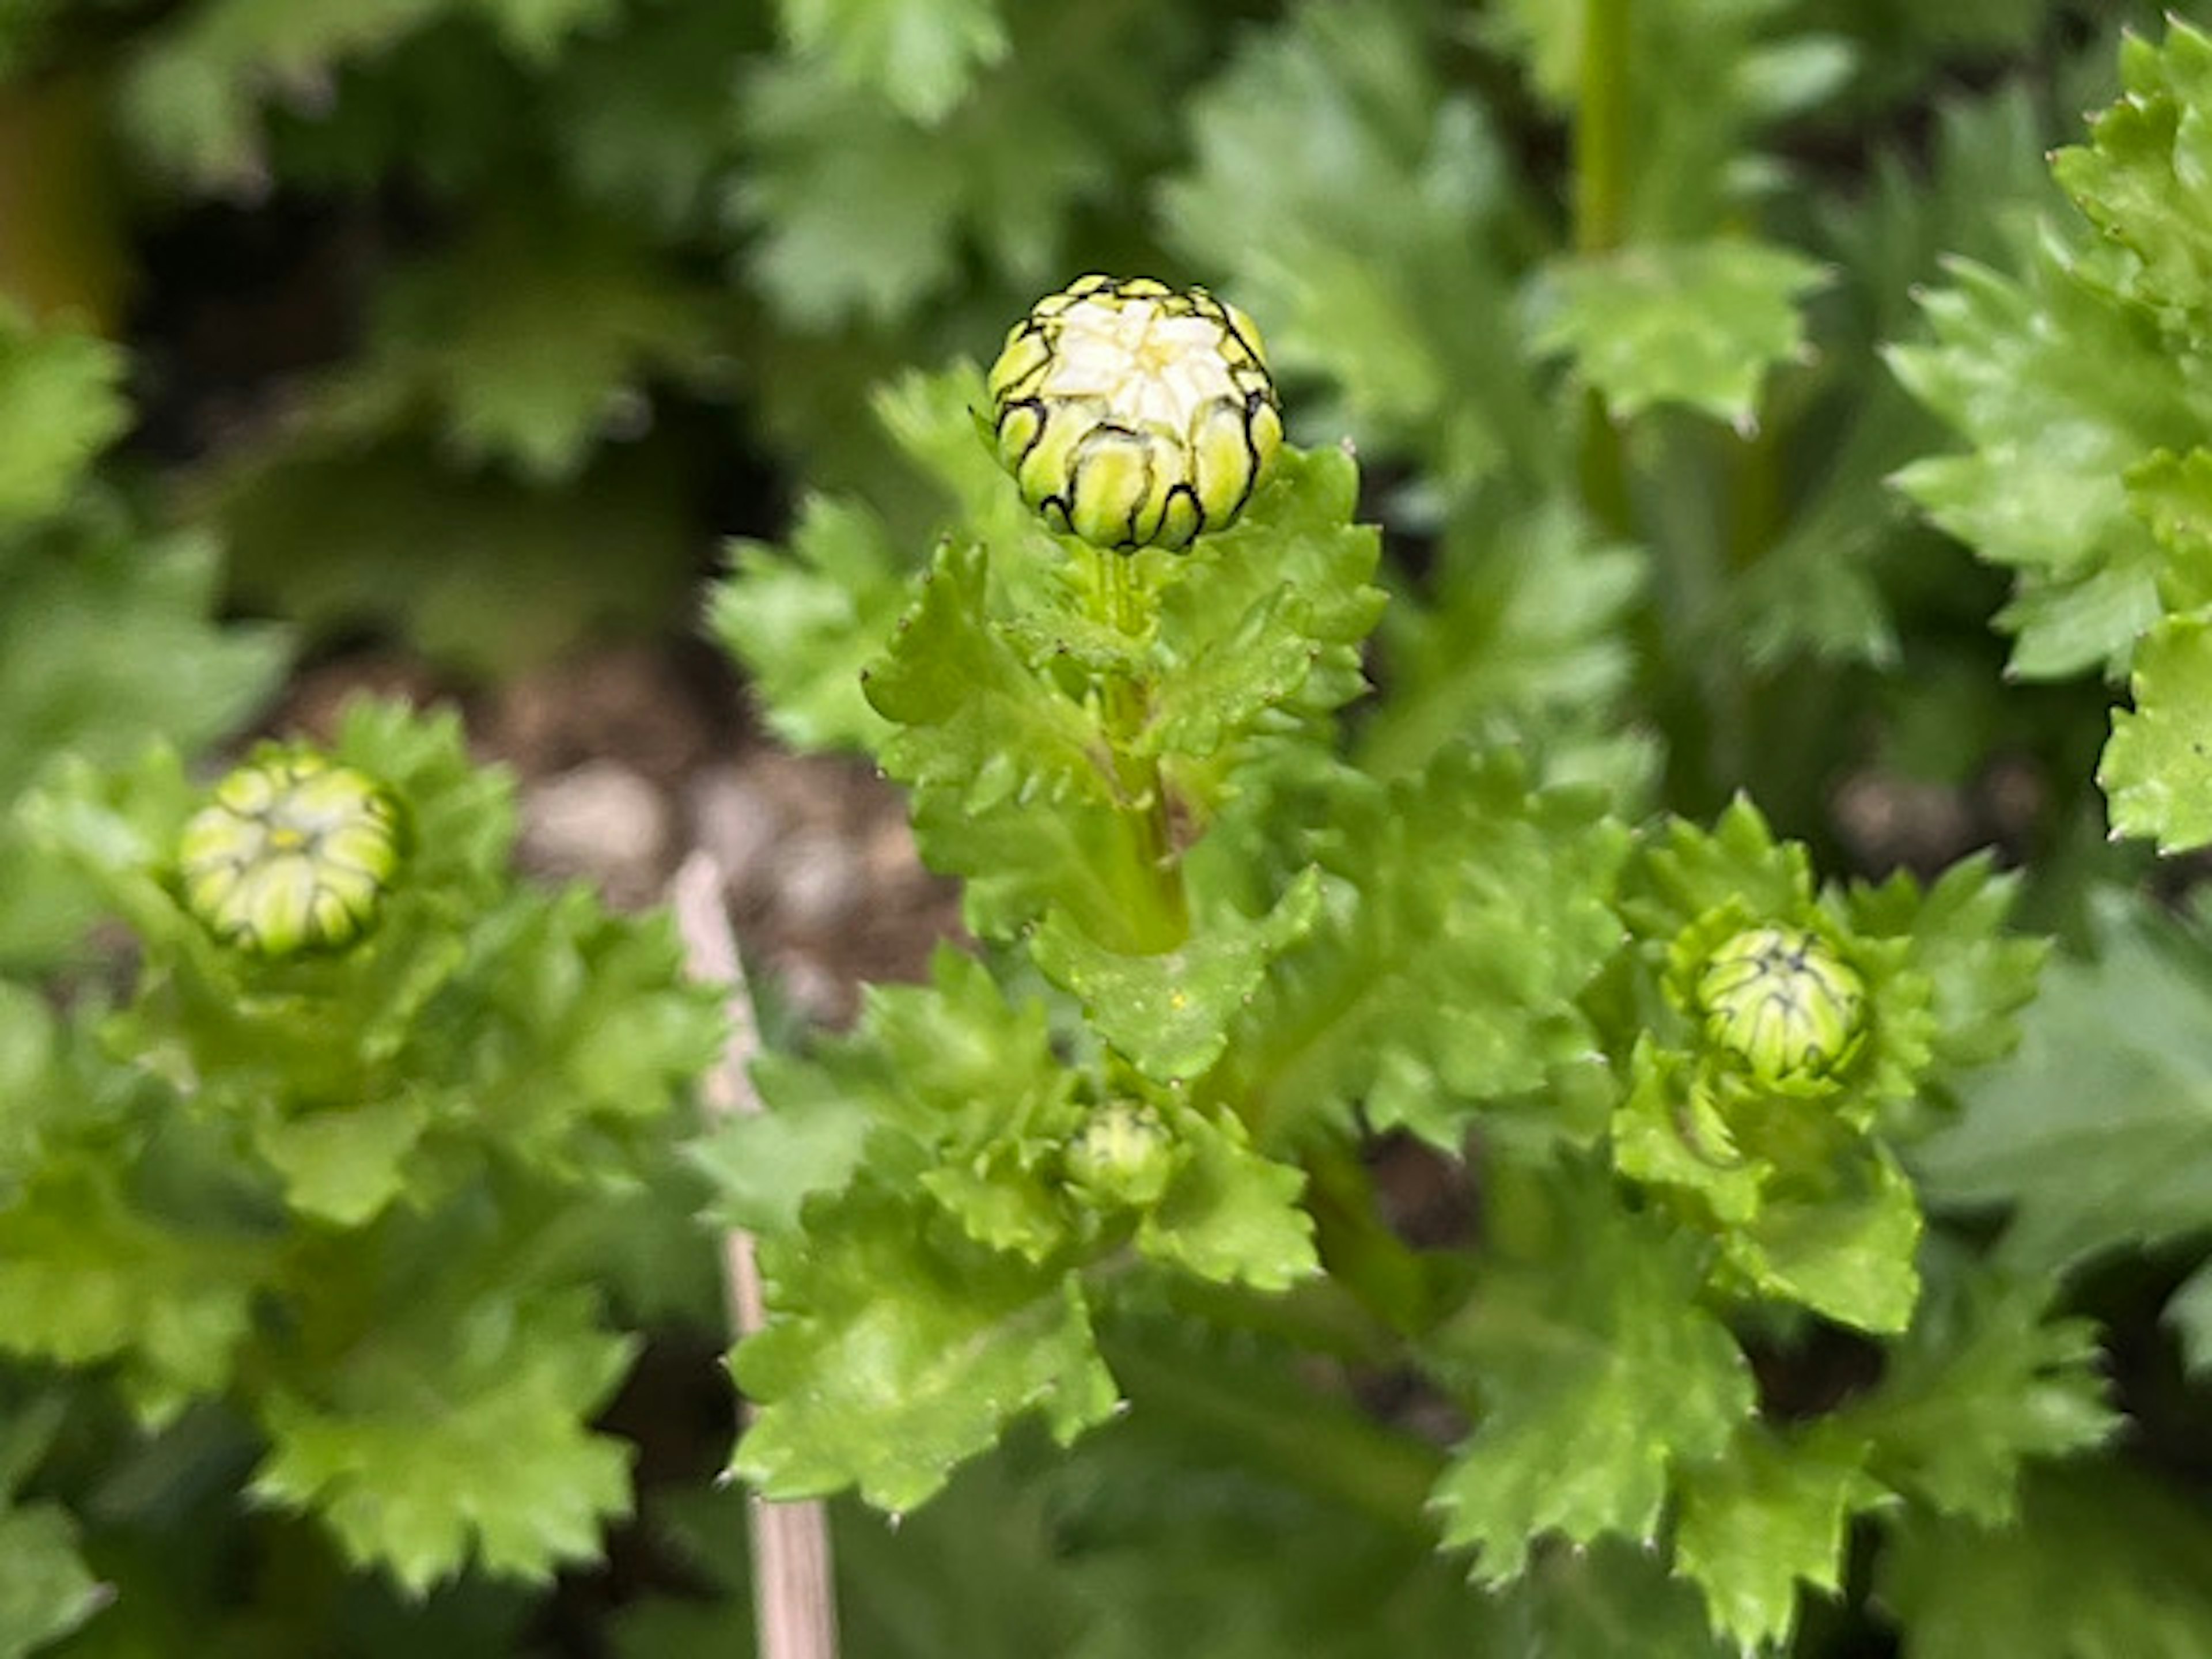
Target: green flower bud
1781,1001
293,853
1132,415
1124,1155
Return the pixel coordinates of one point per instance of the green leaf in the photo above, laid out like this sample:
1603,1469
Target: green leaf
2102,1563
974,719
344,1164
1598,1374
1230,1215
2097,1133
1698,324
2141,178
1984,1383
2060,392
919,54
61,403
1843,1248
45,1590
1772,1514
85,1277
1595,1603
806,622
1356,208
526,344
2157,769
1170,1014
436,1443
1468,913
897,1351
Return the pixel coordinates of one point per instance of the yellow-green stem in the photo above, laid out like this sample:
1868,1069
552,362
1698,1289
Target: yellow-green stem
1601,141
1122,606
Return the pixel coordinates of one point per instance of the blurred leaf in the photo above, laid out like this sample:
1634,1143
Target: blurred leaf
2103,1564
45,1590
2097,1133
1698,324
919,54
60,402
2188,1313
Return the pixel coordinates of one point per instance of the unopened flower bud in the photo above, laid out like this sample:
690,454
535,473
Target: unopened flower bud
1781,1001
1134,415
1124,1155
293,853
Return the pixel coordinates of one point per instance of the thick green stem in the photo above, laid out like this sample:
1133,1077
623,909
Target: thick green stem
1359,1249
1120,602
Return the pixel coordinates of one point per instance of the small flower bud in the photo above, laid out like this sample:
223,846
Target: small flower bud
1134,415
1124,1155
1781,1001
293,853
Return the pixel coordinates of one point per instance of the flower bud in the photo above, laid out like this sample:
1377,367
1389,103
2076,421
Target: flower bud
1781,1001
1132,415
293,853
1124,1155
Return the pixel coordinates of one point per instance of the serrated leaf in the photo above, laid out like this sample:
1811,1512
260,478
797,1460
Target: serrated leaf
1773,1513
973,718
2157,769
2098,1131
1170,1014
1697,324
45,1590
2060,392
1843,1248
435,1447
1598,1374
1492,942
61,402
806,622
920,54
1231,1215
1985,1382
2141,178
895,1352
2102,1563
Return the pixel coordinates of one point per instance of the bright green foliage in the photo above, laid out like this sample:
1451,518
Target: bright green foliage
1771,1514
1465,894
2083,393
1698,323
1789,1165
2095,1134
1598,1372
2157,769
360,1194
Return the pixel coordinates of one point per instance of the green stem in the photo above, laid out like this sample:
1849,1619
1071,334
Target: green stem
1121,602
1360,1251
1323,1446
1601,143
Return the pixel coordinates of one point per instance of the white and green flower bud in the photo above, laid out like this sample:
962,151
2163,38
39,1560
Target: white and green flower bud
1781,1001
1124,1155
293,853
1134,415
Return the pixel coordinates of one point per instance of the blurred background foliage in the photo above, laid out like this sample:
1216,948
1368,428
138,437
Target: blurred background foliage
473,328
